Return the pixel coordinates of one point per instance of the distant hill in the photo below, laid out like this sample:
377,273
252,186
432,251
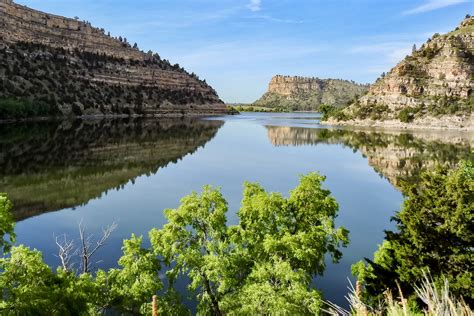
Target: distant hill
55,65
302,93
431,87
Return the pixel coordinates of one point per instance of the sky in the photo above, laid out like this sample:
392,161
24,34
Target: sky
239,45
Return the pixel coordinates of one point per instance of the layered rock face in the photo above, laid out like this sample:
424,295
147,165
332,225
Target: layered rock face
308,93
44,56
437,79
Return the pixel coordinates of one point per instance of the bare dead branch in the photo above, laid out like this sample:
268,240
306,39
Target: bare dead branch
65,251
87,251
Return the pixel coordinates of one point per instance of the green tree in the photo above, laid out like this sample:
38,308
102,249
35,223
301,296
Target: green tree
29,287
195,239
265,263
131,287
7,224
435,234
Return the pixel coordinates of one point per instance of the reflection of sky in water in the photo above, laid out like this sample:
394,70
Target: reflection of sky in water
240,152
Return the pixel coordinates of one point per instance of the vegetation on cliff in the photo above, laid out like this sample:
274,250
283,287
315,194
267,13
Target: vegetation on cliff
52,65
37,80
435,80
263,265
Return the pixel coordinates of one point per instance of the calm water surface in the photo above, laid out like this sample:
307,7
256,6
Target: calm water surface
130,170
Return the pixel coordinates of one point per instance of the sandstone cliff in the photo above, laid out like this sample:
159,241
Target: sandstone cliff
72,67
432,87
301,93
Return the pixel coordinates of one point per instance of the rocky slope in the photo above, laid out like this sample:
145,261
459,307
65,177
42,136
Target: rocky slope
301,93
432,87
68,66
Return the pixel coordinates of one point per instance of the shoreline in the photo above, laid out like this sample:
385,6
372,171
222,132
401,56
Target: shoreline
113,116
454,123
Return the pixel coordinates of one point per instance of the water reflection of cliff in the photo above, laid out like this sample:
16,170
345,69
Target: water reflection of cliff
47,166
395,155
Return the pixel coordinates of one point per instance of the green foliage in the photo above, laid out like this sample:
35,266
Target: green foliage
127,289
372,111
12,109
329,111
31,288
7,224
435,233
406,115
263,264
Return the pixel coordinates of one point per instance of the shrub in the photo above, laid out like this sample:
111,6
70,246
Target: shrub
406,115
435,234
14,109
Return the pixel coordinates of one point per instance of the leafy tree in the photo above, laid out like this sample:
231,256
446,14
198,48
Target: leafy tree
129,288
7,224
31,288
195,239
435,234
261,266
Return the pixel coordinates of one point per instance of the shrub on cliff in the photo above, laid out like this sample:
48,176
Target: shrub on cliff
15,108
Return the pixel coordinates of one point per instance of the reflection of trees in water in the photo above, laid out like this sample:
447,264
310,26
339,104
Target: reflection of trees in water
397,156
46,166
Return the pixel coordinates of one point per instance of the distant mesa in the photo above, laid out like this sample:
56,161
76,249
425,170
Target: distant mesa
55,65
432,87
303,93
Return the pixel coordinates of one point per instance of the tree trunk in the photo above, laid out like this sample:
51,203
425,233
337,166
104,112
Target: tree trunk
215,303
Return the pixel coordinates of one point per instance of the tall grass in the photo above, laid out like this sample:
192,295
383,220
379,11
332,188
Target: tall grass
437,302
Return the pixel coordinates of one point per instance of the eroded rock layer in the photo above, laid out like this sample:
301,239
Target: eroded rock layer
436,80
74,67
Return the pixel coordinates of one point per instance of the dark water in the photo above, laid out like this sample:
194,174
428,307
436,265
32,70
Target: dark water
129,170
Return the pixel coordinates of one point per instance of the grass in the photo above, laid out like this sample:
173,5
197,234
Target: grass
436,300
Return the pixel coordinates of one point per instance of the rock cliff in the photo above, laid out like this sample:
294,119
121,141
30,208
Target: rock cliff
302,93
78,69
435,81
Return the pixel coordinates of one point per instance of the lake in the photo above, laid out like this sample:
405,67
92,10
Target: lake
59,173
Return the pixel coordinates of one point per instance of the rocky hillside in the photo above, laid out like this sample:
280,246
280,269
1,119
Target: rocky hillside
301,93
55,65
433,86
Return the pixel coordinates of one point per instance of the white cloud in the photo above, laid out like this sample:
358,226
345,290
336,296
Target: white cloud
276,20
393,51
431,5
255,5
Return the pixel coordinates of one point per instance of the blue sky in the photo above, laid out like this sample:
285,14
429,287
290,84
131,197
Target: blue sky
238,45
